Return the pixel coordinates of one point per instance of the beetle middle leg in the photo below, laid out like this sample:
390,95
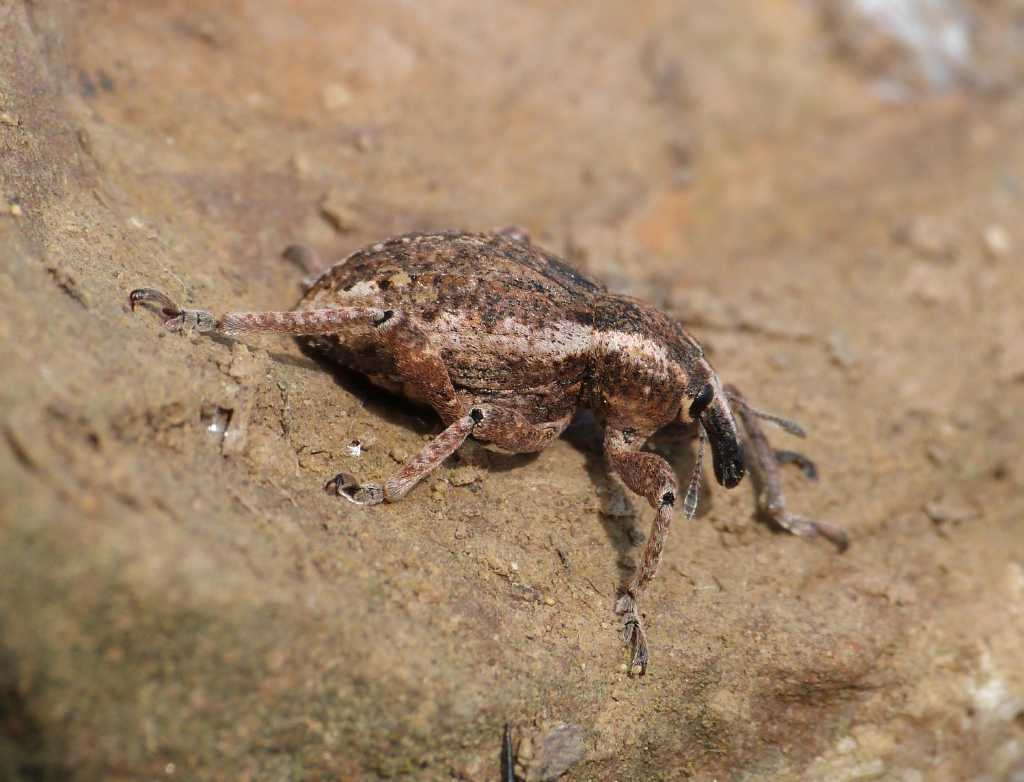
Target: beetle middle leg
412,472
651,477
506,428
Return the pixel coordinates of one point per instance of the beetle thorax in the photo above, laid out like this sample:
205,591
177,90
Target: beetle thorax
638,382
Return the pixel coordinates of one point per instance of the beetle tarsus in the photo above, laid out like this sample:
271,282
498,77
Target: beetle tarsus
633,633
346,486
806,466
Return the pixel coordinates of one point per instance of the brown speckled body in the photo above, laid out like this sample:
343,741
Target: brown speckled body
515,326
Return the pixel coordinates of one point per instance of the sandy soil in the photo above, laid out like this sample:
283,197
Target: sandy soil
841,227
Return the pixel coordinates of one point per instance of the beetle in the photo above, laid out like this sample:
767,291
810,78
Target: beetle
506,342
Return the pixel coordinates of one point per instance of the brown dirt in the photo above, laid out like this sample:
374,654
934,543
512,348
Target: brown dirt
169,612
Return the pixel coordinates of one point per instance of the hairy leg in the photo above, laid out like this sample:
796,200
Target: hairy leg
506,428
233,324
650,476
764,463
412,472
417,362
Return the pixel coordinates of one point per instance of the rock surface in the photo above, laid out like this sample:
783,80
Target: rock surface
178,597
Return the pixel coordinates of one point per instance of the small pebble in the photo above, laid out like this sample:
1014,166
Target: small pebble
336,206
363,141
929,237
943,512
16,210
300,164
554,749
996,241
464,475
842,352
336,96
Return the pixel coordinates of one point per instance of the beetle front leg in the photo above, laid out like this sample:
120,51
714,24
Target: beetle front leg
651,477
764,462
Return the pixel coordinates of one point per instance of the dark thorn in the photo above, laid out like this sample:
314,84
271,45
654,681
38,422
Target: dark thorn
807,467
508,765
668,498
476,414
388,315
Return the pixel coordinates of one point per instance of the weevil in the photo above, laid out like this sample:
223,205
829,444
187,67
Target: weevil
506,342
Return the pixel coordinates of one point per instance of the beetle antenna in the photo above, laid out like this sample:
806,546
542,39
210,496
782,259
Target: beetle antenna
693,490
785,423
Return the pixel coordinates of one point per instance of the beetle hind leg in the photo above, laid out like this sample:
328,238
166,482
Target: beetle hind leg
233,324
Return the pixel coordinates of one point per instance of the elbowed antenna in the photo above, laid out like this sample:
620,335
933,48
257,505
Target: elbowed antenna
693,489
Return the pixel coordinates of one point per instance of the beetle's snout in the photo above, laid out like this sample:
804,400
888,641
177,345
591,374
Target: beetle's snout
729,467
726,449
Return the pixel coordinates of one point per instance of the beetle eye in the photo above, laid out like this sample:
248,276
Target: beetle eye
702,400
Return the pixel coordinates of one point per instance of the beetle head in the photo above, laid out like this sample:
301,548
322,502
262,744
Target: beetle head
706,404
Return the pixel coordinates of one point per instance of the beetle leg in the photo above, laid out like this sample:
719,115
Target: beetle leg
504,427
764,467
807,467
416,360
415,470
295,322
651,477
